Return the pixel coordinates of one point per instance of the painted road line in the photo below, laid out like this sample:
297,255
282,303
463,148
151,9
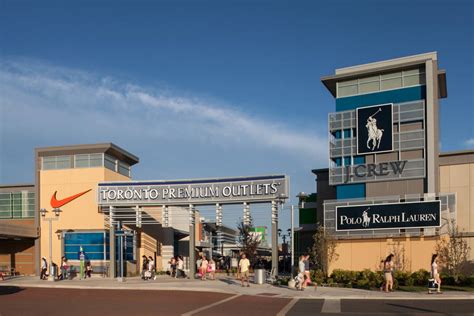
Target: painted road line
288,306
200,309
331,305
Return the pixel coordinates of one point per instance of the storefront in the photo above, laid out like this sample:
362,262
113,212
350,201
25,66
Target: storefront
386,188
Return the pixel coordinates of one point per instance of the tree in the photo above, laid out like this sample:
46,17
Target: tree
453,251
401,261
249,241
323,252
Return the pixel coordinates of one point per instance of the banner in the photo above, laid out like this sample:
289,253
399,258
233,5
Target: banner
374,129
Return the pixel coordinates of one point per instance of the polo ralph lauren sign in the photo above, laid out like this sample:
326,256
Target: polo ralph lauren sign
374,129
391,215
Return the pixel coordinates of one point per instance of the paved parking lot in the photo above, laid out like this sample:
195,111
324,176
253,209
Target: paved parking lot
56,301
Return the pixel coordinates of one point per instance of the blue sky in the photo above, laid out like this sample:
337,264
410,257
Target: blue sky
210,88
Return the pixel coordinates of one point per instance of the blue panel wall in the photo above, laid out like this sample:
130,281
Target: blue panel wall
350,191
91,242
391,96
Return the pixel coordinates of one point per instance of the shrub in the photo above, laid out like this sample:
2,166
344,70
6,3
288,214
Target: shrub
318,276
345,277
470,280
402,278
420,277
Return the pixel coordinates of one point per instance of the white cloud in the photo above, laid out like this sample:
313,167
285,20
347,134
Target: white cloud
469,142
60,106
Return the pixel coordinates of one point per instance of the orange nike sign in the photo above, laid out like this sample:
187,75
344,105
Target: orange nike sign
55,203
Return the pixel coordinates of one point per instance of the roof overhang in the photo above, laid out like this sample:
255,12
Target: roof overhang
381,67
108,148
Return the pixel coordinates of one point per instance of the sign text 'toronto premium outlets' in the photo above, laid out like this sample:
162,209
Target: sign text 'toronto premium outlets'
182,192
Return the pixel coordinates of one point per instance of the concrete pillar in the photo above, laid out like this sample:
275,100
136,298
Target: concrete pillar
111,244
275,237
192,243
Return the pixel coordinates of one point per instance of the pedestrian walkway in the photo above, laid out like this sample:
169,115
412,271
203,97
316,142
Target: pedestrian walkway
229,285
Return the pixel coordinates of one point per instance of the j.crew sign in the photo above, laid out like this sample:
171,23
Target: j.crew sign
372,169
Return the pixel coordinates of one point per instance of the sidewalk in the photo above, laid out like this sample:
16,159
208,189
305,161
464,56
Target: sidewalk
228,285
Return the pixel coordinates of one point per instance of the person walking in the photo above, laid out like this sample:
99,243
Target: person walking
64,268
198,266
172,267
300,277
88,269
204,266
435,273
388,273
144,266
307,273
212,269
151,267
244,265
44,269
180,268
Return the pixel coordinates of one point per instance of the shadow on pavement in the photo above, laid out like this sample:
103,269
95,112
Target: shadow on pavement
413,308
229,281
6,290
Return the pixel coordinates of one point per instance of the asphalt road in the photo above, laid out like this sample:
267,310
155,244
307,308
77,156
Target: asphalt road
43,301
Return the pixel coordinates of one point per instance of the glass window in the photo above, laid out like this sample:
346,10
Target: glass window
17,204
56,162
49,163
369,87
347,161
393,83
96,160
347,133
369,79
110,162
81,161
411,72
88,160
348,90
414,80
5,205
124,169
63,162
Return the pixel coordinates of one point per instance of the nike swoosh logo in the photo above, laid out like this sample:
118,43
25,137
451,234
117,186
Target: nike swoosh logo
55,203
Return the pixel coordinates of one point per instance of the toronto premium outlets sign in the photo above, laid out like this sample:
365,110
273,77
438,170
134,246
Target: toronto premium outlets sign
203,191
391,215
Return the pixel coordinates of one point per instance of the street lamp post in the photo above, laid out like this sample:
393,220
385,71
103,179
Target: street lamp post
50,220
300,197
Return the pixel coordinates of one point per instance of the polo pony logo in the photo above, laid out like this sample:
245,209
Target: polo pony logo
374,133
365,218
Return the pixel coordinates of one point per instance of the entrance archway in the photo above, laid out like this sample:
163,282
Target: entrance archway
133,203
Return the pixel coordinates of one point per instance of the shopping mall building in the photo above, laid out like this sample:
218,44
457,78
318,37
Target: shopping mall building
388,189
92,203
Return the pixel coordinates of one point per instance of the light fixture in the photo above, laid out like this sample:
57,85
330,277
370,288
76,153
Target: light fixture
43,212
301,197
57,211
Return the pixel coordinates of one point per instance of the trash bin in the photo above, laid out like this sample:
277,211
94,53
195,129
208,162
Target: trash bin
54,271
259,276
